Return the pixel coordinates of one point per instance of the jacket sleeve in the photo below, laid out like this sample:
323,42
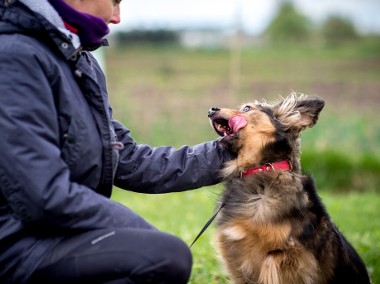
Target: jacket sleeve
164,169
34,179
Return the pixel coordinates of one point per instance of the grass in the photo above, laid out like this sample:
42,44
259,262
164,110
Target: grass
162,95
184,214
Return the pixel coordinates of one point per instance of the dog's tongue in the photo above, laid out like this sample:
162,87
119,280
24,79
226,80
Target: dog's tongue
237,122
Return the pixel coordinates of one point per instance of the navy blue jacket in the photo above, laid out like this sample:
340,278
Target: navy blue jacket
60,149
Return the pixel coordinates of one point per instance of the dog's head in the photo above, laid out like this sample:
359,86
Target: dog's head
260,133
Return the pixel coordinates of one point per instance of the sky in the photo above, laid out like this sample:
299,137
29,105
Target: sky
253,15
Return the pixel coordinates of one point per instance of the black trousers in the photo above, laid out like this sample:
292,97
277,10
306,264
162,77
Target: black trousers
127,255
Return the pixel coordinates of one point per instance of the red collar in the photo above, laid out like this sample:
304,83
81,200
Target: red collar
269,167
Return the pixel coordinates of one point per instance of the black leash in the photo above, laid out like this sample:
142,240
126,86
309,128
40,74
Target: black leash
207,225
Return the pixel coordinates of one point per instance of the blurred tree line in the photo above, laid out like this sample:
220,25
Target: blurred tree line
291,26
288,26
147,36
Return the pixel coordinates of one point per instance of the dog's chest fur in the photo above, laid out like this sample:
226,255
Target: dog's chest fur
264,197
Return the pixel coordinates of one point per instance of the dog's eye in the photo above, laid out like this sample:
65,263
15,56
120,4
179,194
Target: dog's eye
246,108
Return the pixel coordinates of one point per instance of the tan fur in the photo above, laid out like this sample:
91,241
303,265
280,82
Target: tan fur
259,134
252,260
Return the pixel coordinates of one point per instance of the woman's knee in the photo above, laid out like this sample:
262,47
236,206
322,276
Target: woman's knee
154,257
180,261
176,260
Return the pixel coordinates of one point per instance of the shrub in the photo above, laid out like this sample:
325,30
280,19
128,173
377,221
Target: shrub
338,30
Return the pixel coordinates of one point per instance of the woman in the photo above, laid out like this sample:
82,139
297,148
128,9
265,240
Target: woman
61,152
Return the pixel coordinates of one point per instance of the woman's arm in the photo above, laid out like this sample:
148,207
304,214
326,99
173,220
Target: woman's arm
164,169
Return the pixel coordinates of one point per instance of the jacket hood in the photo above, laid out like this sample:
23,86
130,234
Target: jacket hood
45,9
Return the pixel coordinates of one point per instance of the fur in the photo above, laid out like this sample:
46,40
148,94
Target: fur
273,227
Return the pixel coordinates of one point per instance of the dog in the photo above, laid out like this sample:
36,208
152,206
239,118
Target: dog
272,227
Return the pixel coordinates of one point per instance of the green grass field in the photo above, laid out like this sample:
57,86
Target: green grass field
163,93
184,214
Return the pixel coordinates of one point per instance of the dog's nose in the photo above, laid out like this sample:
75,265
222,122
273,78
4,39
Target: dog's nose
212,111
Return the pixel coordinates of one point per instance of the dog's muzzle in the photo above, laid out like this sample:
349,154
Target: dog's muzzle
212,111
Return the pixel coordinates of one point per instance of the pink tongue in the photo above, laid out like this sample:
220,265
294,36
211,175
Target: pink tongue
237,122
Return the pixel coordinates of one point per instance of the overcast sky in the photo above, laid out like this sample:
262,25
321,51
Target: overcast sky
254,14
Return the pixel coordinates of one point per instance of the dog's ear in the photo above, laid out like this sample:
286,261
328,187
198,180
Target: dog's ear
298,111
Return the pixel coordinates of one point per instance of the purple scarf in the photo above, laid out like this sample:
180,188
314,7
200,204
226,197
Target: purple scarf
90,29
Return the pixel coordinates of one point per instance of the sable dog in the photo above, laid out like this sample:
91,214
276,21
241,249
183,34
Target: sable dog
273,227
